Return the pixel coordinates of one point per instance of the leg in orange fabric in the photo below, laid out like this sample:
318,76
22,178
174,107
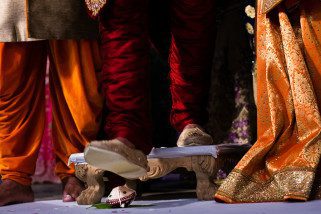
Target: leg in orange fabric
22,73
77,105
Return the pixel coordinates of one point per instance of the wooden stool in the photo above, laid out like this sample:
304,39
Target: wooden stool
162,161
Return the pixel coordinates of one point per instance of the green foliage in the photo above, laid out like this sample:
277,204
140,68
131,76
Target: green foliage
102,206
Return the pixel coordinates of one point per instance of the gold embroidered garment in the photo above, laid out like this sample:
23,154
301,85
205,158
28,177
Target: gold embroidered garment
268,5
284,162
95,6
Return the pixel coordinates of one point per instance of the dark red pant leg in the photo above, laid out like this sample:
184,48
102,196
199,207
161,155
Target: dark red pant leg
191,54
125,72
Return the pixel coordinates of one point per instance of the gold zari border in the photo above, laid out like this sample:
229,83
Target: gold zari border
268,5
284,185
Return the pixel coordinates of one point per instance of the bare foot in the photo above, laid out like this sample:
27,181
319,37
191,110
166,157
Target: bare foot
12,192
72,188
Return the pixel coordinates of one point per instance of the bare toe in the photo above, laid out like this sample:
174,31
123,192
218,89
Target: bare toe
72,188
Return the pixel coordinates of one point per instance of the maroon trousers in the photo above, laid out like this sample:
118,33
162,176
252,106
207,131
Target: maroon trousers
125,74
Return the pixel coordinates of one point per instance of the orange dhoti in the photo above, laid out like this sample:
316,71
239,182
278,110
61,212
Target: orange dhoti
284,163
76,103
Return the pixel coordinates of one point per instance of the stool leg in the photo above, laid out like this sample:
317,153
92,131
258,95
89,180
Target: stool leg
93,178
206,169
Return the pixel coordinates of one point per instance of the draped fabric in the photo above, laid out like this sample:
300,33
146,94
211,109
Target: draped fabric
283,163
22,111
74,93
77,103
125,72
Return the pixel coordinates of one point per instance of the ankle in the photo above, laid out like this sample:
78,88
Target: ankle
192,126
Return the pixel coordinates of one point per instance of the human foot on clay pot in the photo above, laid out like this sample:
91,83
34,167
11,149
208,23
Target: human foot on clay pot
194,135
118,156
12,192
72,188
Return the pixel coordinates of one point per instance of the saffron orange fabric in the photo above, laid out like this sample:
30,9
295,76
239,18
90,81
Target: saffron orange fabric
74,92
284,163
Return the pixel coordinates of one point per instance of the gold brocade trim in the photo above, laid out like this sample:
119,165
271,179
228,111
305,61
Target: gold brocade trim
95,6
268,5
286,184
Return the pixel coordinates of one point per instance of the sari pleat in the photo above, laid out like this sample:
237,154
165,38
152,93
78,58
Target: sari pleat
282,164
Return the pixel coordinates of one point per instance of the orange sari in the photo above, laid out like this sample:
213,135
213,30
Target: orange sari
284,162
